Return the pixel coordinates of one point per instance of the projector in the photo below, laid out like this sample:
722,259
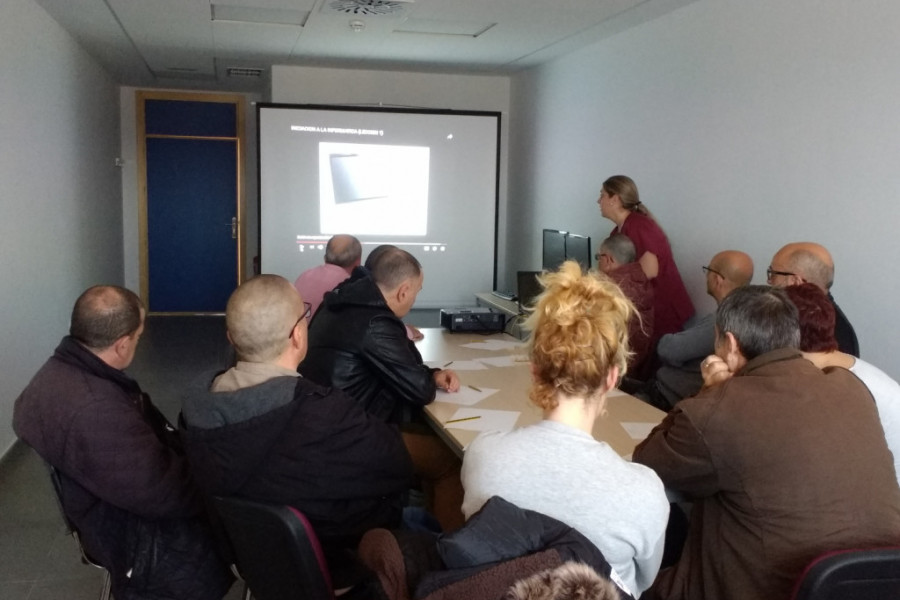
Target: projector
471,319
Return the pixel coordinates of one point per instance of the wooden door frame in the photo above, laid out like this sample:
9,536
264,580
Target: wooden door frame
143,252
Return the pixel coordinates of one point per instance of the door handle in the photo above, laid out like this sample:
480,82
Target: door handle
234,228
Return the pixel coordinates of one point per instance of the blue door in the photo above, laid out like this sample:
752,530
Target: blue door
192,162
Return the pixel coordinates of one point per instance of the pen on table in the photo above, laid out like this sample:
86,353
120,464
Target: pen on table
474,388
463,419
448,364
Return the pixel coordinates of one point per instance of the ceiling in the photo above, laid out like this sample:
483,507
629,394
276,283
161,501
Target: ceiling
194,43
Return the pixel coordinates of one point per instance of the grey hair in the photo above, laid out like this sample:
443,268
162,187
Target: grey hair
343,251
811,268
620,247
761,318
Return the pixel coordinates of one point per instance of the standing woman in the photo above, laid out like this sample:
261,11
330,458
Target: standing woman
619,202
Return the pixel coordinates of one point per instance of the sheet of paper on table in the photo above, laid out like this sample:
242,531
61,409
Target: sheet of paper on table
638,431
457,365
486,419
466,396
494,345
509,360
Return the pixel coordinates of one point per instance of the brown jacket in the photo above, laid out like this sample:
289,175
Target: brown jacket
783,462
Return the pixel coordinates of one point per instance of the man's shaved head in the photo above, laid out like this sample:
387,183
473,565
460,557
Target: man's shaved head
807,260
259,317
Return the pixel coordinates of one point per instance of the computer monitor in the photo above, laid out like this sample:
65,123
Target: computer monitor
554,249
578,248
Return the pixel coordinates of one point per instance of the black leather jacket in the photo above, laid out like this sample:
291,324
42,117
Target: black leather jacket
357,344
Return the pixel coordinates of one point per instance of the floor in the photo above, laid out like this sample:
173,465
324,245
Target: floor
38,560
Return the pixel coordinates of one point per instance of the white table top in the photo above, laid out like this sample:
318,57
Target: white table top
627,422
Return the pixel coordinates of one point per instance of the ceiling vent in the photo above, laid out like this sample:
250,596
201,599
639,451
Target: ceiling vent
368,8
243,72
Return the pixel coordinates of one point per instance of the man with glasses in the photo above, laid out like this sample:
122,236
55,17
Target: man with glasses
680,354
261,432
617,259
808,262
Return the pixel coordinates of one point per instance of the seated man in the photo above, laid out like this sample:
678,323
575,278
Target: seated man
807,262
359,344
343,253
616,260
783,461
125,484
678,375
259,431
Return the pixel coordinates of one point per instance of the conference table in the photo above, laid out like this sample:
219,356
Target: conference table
495,376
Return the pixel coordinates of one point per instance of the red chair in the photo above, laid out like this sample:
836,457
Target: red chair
276,550
869,574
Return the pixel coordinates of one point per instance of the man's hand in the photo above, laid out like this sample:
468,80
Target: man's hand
714,370
414,333
447,380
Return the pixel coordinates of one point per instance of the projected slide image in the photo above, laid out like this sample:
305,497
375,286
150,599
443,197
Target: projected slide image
373,189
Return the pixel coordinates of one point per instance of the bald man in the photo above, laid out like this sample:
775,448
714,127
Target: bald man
681,353
343,253
260,431
808,262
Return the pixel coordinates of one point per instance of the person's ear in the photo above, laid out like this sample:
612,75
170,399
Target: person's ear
403,291
300,338
612,378
720,283
733,357
228,336
122,346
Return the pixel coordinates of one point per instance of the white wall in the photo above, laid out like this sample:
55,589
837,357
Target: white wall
61,229
309,85
128,119
746,125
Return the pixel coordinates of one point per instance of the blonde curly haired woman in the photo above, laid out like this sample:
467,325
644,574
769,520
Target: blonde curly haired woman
578,351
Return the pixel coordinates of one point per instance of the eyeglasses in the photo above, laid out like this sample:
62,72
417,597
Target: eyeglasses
600,255
771,273
306,314
707,271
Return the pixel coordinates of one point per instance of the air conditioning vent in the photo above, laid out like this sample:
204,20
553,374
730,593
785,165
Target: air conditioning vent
243,72
371,8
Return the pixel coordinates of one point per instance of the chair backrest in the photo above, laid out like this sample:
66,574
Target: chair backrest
56,479
871,574
277,552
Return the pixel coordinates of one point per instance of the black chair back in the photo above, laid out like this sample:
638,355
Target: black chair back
56,479
872,574
276,550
